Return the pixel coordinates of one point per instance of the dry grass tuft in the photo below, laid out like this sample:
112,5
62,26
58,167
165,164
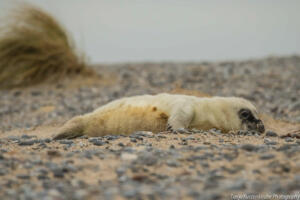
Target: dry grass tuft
34,47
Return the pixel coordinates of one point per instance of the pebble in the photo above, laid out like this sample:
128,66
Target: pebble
24,136
3,171
289,139
66,142
266,156
285,147
121,144
258,186
173,163
239,184
147,158
269,142
23,176
271,134
53,153
112,137
27,142
144,134
98,143
128,157
231,156
249,147
120,171
58,172
133,140
234,169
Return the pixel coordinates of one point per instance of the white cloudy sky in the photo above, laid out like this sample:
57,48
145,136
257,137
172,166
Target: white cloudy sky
178,30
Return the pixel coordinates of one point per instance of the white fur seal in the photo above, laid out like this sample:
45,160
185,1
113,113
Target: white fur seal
162,112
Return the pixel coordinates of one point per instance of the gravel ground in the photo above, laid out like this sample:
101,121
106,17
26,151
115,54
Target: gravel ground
192,165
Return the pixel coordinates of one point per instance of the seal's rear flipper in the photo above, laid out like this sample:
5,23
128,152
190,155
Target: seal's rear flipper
67,135
72,129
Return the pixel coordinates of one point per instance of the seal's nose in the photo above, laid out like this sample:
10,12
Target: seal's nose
260,127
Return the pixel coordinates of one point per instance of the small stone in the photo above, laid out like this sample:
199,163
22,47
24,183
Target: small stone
294,106
98,143
80,194
289,139
66,142
36,93
42,177
133,140
24,136
294,184
236,185
3,171
277,188
234,169
144,134
128,156
258,186
148,158
271,134
121,144
136,137
93,139
42,171
286,147
121,171
256,171
249,147
13,138
23,176
266,157
58,172
17,93
183,143
231,156
47,140
131,193
53,153
173,163
112,137
83,137
161,136
278,167
26,142
269,142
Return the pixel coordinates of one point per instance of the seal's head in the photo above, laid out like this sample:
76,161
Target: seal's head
250,121
227,114
248,116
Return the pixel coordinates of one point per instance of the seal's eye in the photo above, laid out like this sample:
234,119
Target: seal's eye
244,114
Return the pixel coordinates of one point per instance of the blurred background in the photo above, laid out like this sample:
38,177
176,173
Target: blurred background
172,30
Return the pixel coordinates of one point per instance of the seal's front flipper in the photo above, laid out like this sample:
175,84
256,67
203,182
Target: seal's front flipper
181,116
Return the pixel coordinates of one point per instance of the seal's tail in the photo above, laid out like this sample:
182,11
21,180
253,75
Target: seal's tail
71,129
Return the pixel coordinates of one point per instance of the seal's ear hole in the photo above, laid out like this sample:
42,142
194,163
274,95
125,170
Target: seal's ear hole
244,113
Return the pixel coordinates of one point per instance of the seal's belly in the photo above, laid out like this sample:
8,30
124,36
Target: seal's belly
126,120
